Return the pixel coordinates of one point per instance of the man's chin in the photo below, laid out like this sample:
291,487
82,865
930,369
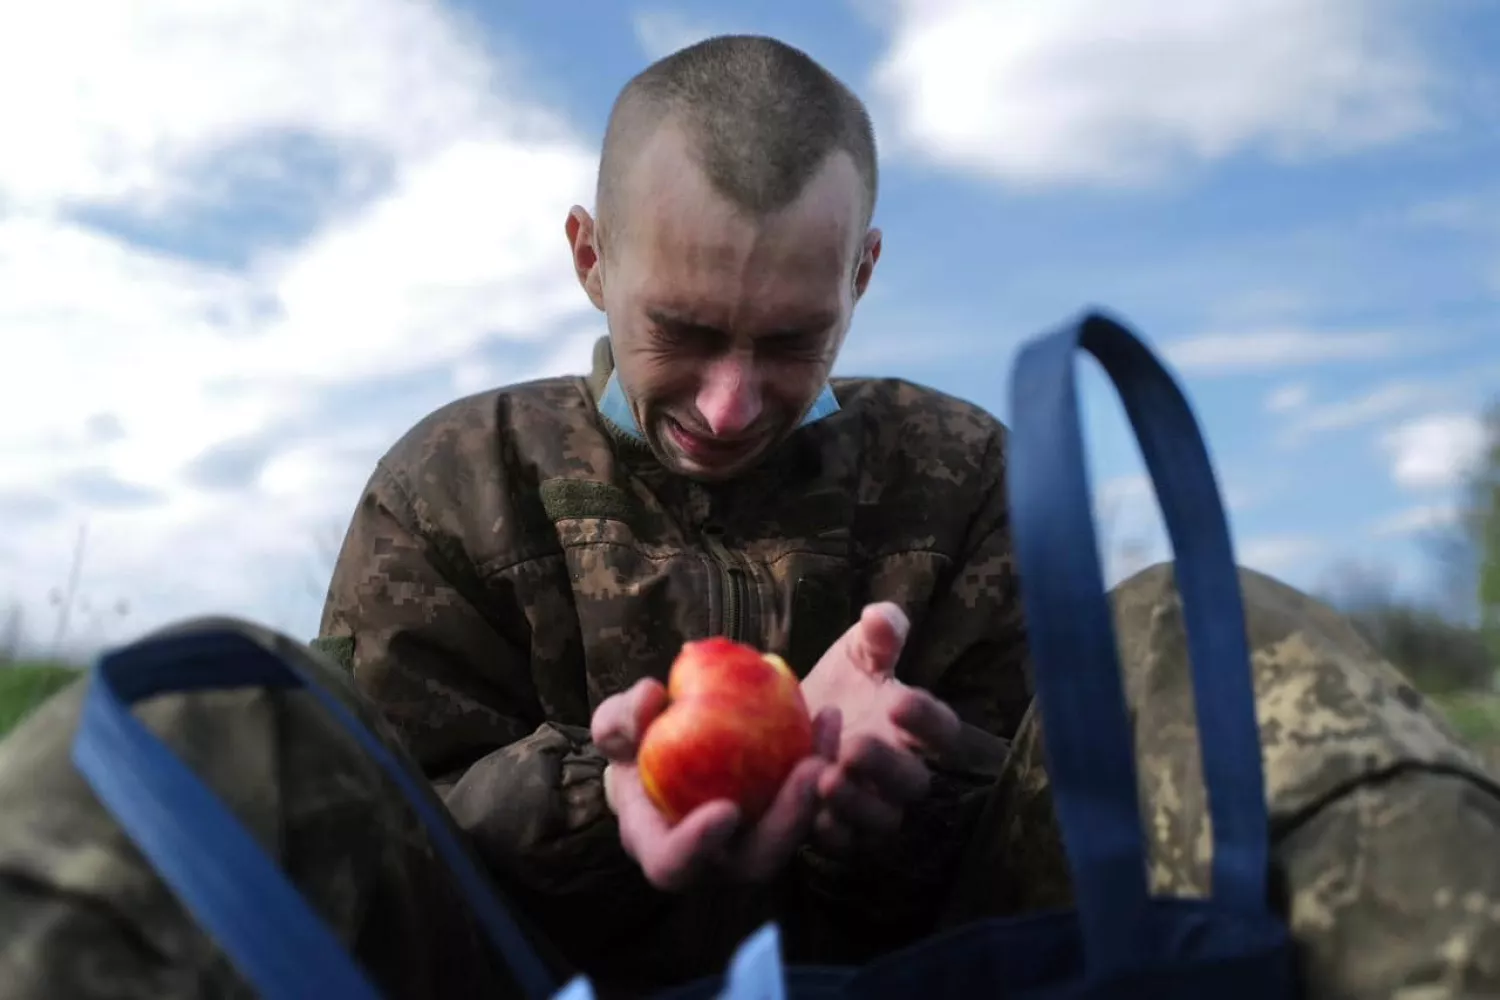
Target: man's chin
710,472
696,458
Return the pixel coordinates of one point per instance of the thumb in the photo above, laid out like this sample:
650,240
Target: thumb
877,638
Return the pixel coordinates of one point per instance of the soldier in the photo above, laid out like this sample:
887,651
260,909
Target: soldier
523,555
524,564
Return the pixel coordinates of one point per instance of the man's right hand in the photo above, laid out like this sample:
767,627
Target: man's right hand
710,838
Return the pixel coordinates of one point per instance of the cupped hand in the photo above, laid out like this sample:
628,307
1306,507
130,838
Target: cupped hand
889,729
712,837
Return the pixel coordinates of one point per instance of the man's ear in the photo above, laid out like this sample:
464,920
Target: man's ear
588,262
869,256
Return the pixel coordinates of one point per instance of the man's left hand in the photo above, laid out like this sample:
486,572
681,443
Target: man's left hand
889,730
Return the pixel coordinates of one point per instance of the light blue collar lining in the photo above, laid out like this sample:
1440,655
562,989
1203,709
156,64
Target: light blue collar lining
615,408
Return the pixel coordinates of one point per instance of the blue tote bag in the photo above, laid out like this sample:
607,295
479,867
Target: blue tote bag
1117,941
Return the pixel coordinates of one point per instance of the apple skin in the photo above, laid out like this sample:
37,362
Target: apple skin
734,729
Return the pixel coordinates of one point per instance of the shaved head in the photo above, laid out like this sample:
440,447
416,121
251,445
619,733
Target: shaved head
761,118
731,244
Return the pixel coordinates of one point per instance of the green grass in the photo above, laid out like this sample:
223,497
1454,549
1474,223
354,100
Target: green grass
1476,716
24,686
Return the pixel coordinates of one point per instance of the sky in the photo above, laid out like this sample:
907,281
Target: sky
245,244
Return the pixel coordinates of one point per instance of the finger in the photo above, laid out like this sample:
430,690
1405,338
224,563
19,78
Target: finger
698,842
872,644
877,638
785,826
621,719
932,725
861,810
892,772
827,728
670,856
639,819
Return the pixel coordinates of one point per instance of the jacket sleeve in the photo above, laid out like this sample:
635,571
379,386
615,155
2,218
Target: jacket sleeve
451,671
968,647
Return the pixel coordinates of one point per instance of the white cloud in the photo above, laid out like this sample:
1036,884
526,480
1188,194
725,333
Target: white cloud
1277,554
1131,532
1129,526
434,264
1289,397
1382,401
452,256
120,101
1416,520
1434,452
1472,212
1386,400
1124,91
1391,399
1267,350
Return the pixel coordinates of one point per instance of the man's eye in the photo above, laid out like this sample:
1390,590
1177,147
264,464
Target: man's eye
792,345
685,336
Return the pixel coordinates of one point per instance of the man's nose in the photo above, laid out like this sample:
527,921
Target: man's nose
730,398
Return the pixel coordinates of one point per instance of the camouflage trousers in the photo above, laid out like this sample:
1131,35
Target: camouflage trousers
1386,830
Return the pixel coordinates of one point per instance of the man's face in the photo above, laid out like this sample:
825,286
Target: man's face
724,326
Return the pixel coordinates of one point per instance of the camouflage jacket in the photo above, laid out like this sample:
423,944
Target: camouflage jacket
515,559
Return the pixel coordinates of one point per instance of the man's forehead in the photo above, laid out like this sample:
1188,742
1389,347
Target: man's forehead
707,239
692,278
672,204
713,246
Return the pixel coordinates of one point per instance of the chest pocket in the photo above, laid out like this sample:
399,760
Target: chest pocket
641,587
806,552
635,597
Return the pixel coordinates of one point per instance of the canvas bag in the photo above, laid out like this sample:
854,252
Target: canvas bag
1117,942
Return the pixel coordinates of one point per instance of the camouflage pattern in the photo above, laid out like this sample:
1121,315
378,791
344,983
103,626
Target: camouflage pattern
83,916
1386,829
515,560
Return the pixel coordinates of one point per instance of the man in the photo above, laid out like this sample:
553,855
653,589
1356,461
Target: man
523,566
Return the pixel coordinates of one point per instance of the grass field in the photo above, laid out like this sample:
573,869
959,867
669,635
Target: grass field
24,686
1476,716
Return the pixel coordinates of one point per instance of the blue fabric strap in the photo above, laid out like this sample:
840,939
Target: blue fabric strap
1080,693
231,886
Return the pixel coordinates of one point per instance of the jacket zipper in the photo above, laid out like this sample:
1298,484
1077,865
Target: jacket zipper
732,585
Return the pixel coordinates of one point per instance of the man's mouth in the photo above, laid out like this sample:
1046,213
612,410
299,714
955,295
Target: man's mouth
706,449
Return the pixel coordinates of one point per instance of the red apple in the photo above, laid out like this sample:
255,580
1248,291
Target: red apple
734,729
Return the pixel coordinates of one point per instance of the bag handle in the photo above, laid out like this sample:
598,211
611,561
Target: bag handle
237,893
1088,739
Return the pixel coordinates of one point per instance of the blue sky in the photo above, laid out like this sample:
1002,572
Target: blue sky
243,245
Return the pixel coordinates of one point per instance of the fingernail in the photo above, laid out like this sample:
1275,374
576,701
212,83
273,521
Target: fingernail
616,746
895,617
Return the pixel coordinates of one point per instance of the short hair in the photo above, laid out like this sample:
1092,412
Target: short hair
761,116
